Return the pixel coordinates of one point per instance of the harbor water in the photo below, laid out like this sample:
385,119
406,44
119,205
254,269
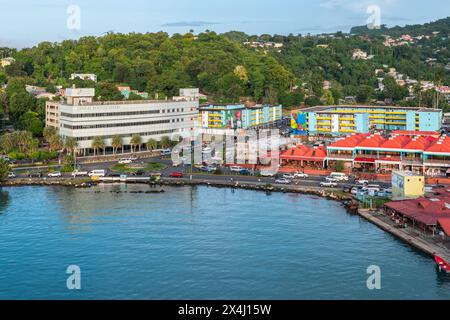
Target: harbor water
199,243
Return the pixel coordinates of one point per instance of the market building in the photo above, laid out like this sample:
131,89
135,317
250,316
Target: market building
430,213
424,152
342,120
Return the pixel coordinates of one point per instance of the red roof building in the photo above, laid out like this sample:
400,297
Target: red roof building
425,211
304,153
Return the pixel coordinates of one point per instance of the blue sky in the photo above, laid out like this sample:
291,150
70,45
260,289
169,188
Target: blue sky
27,22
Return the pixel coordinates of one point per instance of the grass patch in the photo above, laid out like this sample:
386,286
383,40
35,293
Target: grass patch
154,166
123,168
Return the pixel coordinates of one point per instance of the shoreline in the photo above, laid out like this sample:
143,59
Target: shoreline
347,200
330,194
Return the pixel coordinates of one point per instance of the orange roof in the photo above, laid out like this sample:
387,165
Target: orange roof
420,143
373,141
416,133
351,141
302,152
441,145
396,142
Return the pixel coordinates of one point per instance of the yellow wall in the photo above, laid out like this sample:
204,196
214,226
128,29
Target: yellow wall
405,186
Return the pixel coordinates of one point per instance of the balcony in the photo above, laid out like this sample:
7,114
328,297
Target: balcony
437,163
412,161
340,156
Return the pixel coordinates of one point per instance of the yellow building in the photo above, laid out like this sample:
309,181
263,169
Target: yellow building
407,185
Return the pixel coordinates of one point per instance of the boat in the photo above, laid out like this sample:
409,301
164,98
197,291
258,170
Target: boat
442,265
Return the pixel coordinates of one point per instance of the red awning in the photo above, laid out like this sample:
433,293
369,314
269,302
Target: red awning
365,160
445,225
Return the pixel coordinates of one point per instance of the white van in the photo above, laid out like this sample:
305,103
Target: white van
374,187
339,176
97,173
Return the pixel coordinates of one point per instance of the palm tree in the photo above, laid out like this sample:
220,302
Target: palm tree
55,142
24,140
117,142
71,145
165,142
152,144
135,141
98,143
49,133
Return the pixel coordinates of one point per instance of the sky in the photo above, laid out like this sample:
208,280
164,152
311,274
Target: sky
24,23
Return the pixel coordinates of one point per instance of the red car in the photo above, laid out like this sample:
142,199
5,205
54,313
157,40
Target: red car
176,175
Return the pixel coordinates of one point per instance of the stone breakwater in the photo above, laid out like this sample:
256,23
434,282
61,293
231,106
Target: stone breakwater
332,194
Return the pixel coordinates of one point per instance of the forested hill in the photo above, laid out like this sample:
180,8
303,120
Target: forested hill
291,70
158,63
442,26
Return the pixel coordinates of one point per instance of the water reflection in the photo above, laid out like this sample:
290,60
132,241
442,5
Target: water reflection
82,209
4,201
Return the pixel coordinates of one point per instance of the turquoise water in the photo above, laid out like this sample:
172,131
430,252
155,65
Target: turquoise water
199,243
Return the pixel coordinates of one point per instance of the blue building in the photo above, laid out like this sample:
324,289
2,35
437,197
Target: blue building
343,120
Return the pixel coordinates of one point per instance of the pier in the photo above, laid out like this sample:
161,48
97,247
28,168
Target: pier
428,247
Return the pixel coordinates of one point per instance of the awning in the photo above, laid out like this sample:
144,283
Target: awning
365,160
445,225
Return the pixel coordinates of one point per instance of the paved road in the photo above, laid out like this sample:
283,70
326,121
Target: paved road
312,181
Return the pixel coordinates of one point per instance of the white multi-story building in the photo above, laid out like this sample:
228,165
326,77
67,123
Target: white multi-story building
84,76
82,118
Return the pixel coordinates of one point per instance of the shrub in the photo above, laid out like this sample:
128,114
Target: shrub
17,155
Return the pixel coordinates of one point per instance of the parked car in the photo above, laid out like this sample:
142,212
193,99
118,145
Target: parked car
288,176
11,175
208,169
331,179
35,175
267,173
235,169
125,161
362,182
354,190
176,174
374,187
300,175
79,173
339,176
97,173
328,184
282,181
166,152
245,172
55,174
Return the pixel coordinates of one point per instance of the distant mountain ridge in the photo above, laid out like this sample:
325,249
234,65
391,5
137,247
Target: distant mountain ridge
442,26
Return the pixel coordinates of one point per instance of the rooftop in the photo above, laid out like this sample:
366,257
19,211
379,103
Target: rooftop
334,109
301,152
407,174
427,210
425,143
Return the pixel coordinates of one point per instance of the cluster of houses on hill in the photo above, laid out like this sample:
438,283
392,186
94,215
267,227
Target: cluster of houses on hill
264,45
406,39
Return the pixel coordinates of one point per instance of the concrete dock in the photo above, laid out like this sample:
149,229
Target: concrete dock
427,247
